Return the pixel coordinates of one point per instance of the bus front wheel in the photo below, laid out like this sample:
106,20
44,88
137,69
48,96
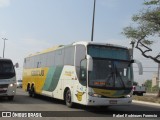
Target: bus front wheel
68,99
10,98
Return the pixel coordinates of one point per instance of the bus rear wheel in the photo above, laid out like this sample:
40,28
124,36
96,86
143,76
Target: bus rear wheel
32,92
68,99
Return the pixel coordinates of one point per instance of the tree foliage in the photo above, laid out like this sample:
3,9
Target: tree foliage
155,88
148,26
148,85
135,83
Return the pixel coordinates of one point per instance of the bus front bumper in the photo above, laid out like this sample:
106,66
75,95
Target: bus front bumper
8,91
97,101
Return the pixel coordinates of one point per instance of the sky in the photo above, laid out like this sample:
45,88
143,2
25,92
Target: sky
33,25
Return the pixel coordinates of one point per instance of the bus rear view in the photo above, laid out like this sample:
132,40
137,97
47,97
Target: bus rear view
7,79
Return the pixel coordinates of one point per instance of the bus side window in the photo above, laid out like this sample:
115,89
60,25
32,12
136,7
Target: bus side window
83,70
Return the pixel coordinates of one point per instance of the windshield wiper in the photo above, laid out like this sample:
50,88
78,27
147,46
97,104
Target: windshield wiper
109,76
118,74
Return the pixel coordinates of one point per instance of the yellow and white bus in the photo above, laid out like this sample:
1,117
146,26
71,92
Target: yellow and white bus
87,73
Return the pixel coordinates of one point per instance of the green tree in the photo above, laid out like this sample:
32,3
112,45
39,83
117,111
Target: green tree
147,27
155,88
135,83
148,85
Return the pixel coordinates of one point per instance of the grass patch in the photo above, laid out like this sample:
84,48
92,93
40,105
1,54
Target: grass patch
147,98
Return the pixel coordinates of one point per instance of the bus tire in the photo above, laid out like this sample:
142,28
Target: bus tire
28,87
68,98
32,92
10,98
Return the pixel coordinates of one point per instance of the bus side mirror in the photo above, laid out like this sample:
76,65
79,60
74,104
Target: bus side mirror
83,70
16,65
89,63
139,66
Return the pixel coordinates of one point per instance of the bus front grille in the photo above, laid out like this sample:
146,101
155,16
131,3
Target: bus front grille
3,88
3,91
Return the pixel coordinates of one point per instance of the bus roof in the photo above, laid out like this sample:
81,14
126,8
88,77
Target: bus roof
85,43
5,59
98,43
46,50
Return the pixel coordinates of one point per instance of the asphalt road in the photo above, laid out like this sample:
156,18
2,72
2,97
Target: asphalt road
22,102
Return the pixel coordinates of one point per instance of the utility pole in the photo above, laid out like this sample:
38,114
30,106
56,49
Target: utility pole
132,43
158,80
158,73
93,20
4,46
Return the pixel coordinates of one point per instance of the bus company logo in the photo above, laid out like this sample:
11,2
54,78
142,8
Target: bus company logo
37,73
21,114
79,95
6,114
69,73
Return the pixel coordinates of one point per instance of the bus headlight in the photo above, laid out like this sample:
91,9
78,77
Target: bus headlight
12,84
94,94
128,96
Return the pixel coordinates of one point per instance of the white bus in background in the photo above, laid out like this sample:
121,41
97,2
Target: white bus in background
7,78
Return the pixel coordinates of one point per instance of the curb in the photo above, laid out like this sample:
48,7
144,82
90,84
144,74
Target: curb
147,103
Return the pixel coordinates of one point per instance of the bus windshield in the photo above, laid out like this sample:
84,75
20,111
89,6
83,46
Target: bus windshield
111,68
6,69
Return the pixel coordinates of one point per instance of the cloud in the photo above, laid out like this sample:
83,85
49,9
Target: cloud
5,3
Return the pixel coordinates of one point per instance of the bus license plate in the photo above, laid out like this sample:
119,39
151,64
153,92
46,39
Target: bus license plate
113,101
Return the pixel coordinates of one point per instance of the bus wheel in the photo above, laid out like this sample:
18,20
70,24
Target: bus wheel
68,99
28,87
10,98
32,92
